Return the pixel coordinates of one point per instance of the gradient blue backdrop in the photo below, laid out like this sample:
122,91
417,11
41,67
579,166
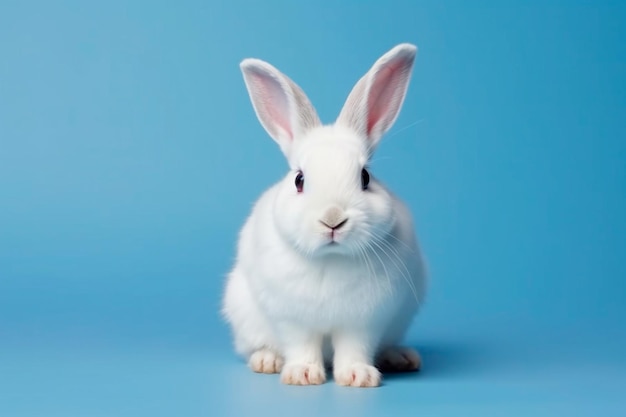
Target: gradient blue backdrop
130,156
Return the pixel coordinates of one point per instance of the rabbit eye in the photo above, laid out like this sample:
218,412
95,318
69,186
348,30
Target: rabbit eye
365,179
299,181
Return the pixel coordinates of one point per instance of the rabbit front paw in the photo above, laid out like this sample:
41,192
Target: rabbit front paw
358,375
266,361
303,374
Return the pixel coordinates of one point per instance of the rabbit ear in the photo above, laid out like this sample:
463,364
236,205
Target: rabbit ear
280,105
375,101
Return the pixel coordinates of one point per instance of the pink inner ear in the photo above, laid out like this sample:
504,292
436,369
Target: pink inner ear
272,104
385,94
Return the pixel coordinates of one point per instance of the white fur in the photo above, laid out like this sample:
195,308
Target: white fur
291,294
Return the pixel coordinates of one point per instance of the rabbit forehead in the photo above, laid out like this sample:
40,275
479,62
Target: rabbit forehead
329,148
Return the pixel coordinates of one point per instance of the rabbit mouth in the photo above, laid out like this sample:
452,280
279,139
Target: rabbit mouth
335,239
332,245
332,238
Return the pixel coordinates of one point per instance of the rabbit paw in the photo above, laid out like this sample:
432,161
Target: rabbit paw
303,374
399,359
266,361
358,375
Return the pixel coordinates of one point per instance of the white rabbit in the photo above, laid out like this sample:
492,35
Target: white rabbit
328,269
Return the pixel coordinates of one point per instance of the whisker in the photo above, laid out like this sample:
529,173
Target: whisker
375,252
410,249
370,266
402,273
402,129
406,274
362,257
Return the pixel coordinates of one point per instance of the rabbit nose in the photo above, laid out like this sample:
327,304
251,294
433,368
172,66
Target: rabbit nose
334,218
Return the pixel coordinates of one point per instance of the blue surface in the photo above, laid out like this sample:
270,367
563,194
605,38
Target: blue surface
130,156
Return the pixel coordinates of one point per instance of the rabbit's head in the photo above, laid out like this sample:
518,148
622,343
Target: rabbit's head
329,202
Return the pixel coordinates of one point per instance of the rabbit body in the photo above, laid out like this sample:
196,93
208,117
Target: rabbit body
328,270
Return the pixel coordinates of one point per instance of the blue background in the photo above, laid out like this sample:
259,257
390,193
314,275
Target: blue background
130,156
